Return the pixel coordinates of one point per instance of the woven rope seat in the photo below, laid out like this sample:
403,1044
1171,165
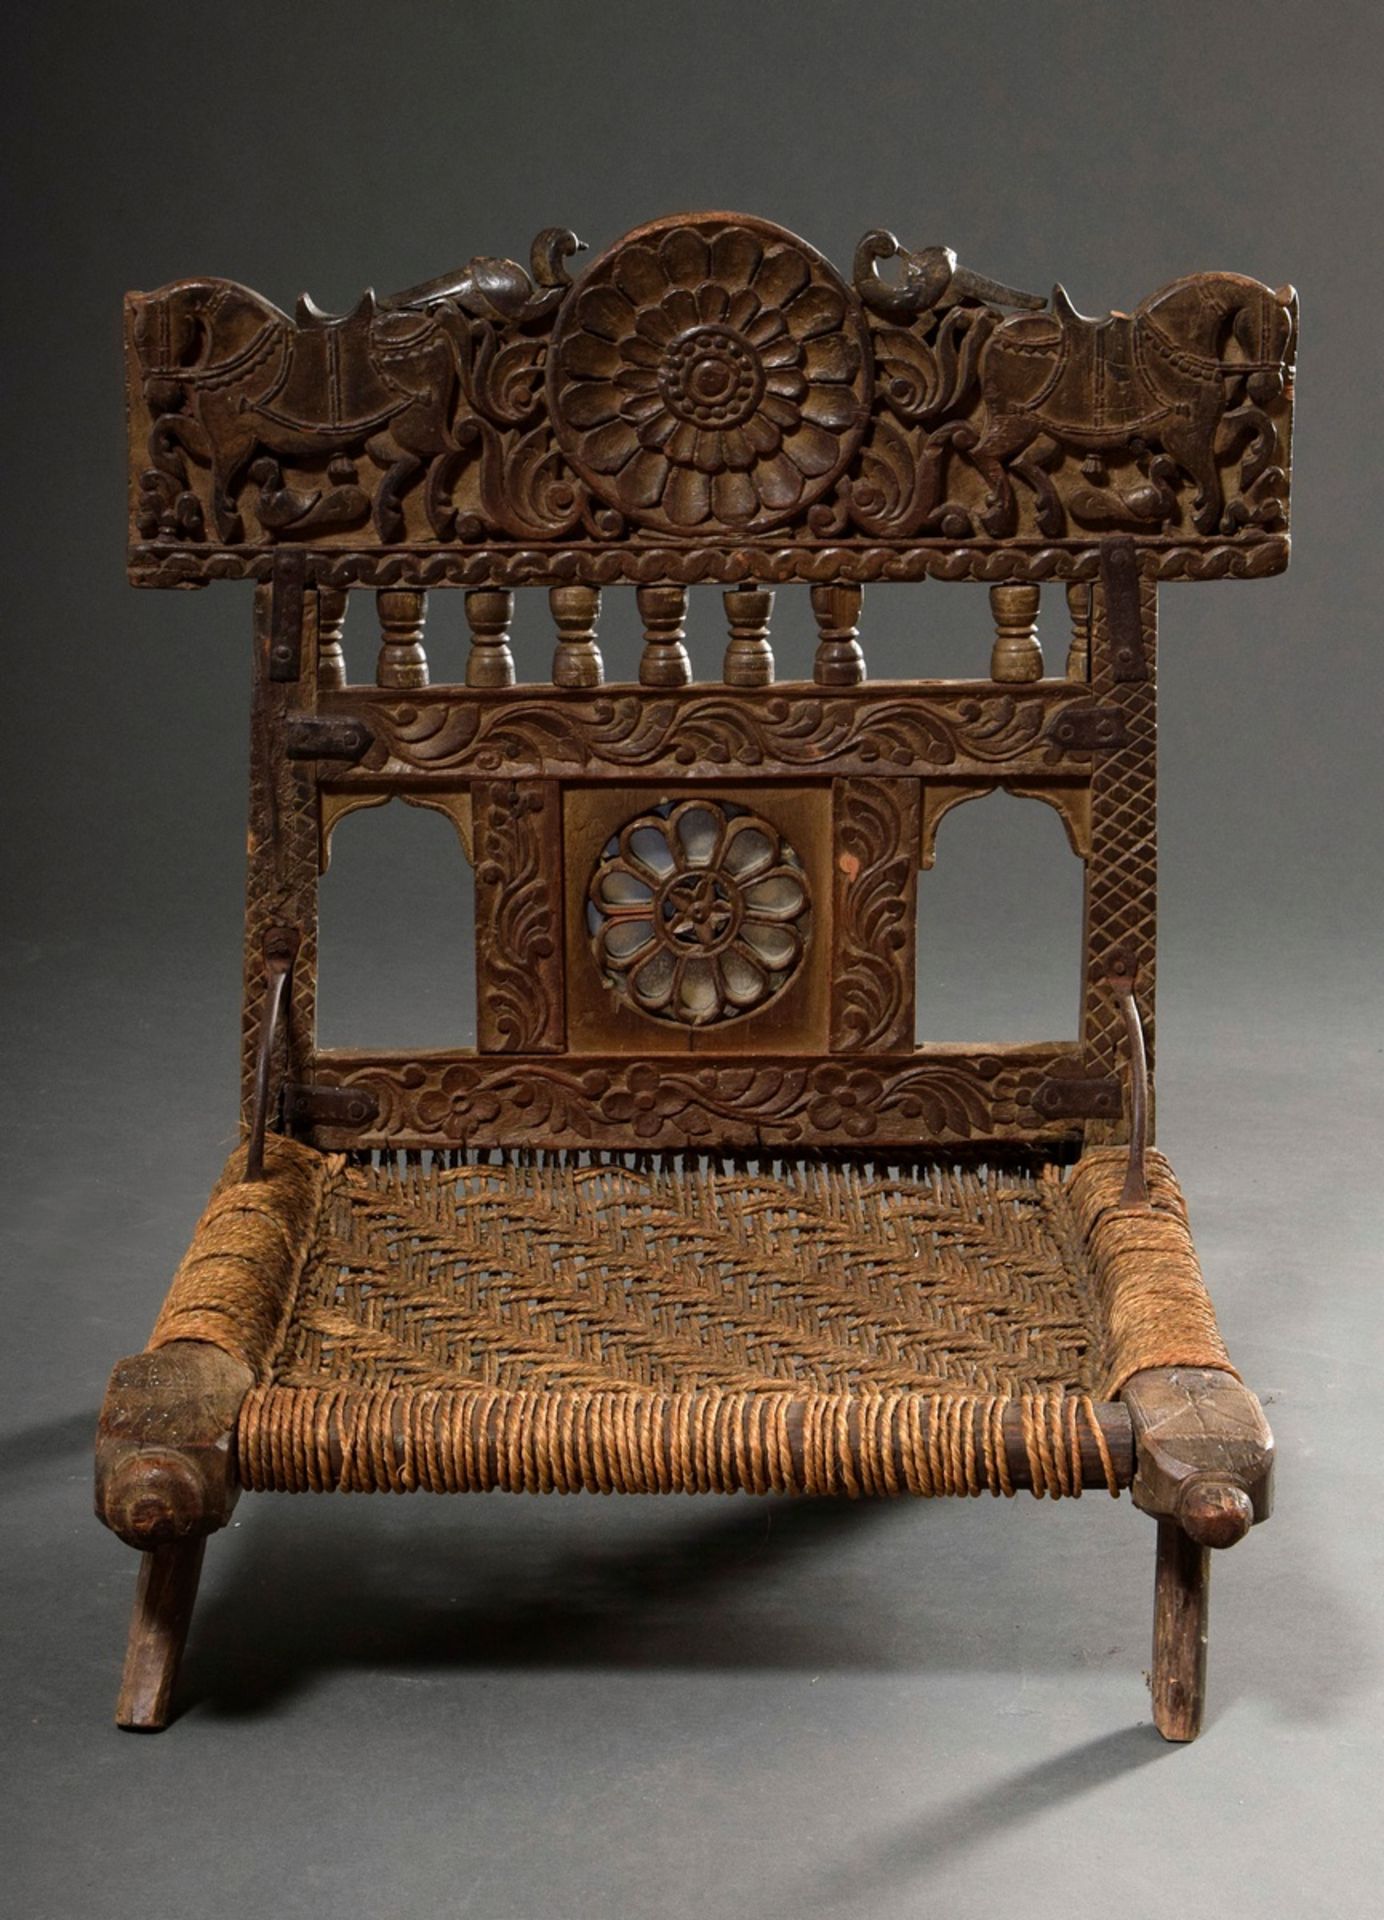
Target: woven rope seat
622,1324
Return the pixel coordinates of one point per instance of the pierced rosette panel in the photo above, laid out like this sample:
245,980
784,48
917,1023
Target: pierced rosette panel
699,913
711,374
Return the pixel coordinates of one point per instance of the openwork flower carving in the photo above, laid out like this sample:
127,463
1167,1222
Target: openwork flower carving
698,913
710,373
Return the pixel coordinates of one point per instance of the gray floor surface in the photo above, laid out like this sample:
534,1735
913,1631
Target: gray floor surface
511,1708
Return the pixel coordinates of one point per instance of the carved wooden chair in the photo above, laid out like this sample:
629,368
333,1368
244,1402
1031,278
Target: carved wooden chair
697,1214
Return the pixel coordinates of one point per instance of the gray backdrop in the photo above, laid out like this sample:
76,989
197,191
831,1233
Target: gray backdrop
507,1708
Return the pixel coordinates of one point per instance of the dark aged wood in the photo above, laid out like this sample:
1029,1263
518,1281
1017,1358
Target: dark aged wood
1181,1615
402,662
664,661
165,1595
1205,1452
1122,872
517,832
749,657
491,664
1204,1469
577,658
839,661
952,728
687,564
331,654
165,1466
696,903
283,847
1016,654
944,1096
710,379
875,871
1079,646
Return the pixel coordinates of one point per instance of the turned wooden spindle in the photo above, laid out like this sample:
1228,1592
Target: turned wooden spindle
331,619
749,658
839,661
490,662
402,661
1016,654
664,661
577,658
1079,652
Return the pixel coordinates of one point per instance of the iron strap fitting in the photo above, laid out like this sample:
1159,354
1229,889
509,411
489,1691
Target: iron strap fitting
309,1105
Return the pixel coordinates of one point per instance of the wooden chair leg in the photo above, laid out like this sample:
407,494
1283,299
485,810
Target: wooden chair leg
164,1598
1181,1604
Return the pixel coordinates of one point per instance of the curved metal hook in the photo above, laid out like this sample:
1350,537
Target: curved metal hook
280,951
1121,972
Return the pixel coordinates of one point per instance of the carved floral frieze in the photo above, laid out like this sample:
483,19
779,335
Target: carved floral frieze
454,1099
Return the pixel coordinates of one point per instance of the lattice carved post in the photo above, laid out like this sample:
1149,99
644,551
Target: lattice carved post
282,840
1122,873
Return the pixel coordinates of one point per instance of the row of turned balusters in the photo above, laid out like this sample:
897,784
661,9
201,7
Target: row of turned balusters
749,662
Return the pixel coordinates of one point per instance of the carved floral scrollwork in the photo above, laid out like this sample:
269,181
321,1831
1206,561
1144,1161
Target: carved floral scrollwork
699,913
877,848
710,373
637,730
660,1103
520,977
712,379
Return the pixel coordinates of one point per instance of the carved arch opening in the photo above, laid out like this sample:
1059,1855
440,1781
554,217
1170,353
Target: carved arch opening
396,923
1000,910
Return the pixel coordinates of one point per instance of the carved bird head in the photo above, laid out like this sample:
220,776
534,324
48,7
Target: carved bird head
931,278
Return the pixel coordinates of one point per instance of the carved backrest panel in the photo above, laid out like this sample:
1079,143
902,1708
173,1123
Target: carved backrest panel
696,900
710,381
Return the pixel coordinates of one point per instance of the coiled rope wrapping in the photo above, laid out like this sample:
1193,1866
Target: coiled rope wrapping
459,1440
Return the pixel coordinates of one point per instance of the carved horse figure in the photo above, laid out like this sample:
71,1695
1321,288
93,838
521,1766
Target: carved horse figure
1208,351
251,381
230,378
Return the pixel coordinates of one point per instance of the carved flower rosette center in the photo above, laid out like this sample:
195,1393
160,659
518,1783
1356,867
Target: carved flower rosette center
698,913
710,374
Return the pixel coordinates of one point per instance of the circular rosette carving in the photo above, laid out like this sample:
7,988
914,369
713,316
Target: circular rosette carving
710,376
698,913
